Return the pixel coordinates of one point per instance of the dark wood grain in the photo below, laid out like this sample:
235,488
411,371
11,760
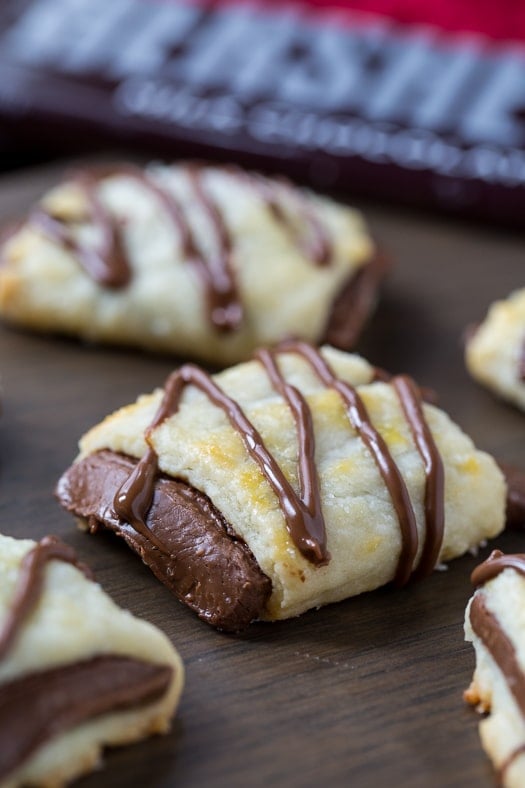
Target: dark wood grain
367,692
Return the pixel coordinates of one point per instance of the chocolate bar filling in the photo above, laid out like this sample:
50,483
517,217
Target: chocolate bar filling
490,632
40,706
132,503
192,549
354,303
515,479
488,629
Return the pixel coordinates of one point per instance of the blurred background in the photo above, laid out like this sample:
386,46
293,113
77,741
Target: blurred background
412,102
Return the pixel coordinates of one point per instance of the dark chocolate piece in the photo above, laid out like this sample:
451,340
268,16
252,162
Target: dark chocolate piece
515,478
209,569
40,706
354,303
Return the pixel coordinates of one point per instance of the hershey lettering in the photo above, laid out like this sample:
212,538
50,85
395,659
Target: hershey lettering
230,68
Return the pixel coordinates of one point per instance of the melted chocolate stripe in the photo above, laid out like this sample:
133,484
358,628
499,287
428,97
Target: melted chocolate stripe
410,399
488,629
30,584
64,697
304,521
221,300
133,499
107,265
168,201
379,450
310,500
497,562
316,243
301,526
135,496
227,310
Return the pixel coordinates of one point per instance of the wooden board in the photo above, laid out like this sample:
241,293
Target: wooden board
367,692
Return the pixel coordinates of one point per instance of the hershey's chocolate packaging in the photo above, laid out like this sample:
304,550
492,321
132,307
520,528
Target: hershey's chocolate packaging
334,99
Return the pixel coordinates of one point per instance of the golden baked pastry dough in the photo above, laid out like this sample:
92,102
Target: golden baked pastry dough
200,261
495,350
77,673
495,625
336,481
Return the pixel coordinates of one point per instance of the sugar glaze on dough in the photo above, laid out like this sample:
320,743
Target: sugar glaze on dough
495,354
198,445
498,685
279,257
74,620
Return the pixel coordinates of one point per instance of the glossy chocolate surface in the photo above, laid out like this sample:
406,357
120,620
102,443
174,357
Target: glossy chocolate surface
209,570
37,707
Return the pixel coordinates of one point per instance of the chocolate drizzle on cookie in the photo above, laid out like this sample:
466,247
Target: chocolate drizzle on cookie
226,309
302,512
377,447
107,264
30,584
489,630
314,241
496,563
62,697
410,399
302,522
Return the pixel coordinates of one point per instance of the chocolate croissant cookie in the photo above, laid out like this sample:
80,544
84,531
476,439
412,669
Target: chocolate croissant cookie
200,261
495,350
495,625
77,673
284,483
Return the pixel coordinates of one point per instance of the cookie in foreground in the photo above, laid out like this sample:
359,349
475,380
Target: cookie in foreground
204,262
77,673
495,350
284,483
495,625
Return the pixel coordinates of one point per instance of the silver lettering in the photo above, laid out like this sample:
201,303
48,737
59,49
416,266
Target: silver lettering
493,117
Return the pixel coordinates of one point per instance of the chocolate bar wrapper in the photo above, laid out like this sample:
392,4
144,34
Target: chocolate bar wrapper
336,99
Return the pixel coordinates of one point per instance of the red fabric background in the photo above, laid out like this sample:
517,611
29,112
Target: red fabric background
498,19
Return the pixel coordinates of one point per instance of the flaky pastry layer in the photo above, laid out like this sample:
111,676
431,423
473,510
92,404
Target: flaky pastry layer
503,730
495,352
